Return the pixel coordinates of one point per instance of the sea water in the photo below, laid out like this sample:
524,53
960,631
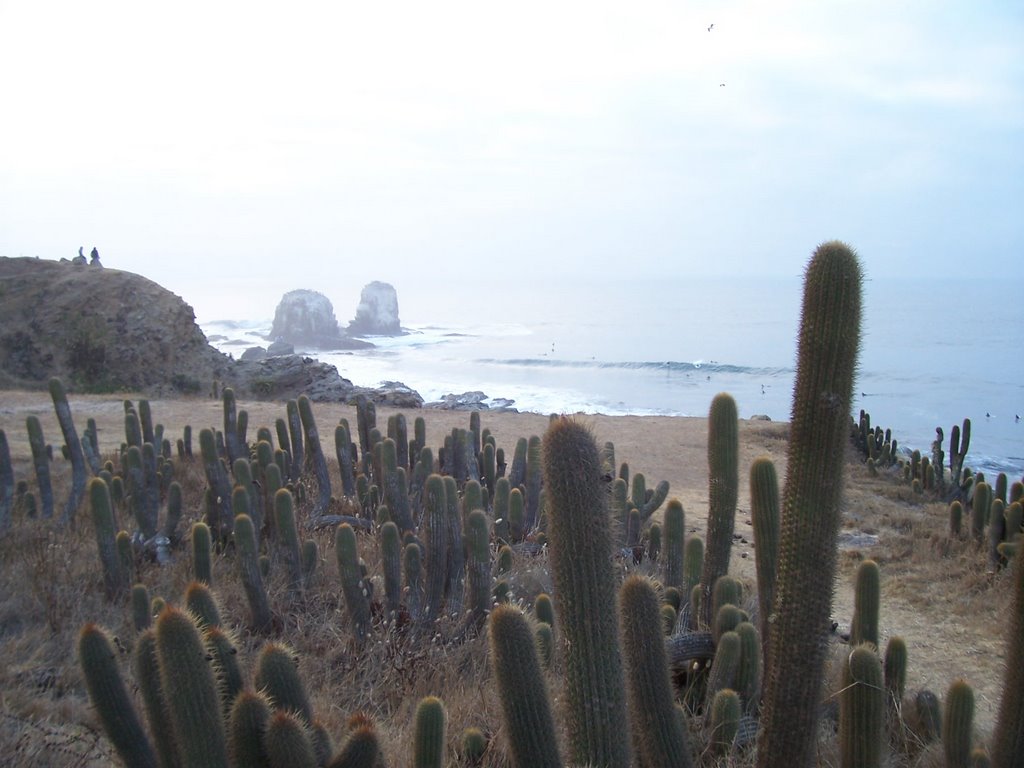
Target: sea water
933,351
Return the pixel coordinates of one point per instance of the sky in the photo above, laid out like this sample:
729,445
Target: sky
232,151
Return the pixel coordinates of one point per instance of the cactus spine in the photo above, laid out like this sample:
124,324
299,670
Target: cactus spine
581,546
828,346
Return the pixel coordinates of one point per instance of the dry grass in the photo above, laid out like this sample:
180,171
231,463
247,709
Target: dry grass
940,600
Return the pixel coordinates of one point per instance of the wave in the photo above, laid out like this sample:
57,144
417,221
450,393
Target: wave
669,366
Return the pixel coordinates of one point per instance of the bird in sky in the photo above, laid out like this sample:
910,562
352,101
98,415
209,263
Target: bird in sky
721,85
710,27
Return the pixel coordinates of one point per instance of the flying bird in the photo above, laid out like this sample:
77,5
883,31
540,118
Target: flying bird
710,27
721,85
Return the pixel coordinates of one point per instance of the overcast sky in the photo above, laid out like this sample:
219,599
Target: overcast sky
340,142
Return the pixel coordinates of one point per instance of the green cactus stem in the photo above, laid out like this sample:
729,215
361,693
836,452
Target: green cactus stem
41,464
862,710
288,540
658,731
188,683
958,725
673,544
260,617
764,515
6,484
723,490
247,723
580,554
867,598
346,461
202,553
110,697
430,733
526,710
277,675
435,521
288,743
74,446
353,585
220,516
1008,736
827,359
147,675
114,579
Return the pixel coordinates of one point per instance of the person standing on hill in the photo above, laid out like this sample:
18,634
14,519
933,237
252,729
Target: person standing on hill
94,258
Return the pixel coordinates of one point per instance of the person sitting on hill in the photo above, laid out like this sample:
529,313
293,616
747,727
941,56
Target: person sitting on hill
94,258
80,258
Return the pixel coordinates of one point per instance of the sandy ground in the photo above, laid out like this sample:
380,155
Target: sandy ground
949,611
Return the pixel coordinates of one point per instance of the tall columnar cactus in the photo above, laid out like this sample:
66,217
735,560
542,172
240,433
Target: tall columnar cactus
316,457
202,553
723,490
456,566
724,720
764,515
188,683
41,463
247,723
353,586
533,482
524,699
110,697
346,461
435,521
981,505
288,540
430,735
288,742
223,652
478,550
895,669
202,604
219,485
581,548
391,560
298,453
395,486
277,675
861,710
517,473
230,425
958,725
673,544
260,617
74,446
1008,736
658,732
959,442
827,360
867,599
114,581
6,484
146,668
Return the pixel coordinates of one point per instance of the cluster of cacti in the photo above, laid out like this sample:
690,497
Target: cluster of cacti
448,532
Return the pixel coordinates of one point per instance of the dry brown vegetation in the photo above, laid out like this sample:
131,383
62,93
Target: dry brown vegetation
940,599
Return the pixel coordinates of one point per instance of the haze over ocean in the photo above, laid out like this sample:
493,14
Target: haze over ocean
934,351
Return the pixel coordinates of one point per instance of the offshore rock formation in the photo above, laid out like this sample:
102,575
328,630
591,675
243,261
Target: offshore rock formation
377,313
306,318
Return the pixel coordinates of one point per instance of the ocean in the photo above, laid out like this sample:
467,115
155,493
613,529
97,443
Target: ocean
934,351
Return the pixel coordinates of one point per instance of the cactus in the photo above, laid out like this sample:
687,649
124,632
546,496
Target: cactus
201,603
190,689
391,559
895,668
247,723
41,463
958,725
867,596
288,540
580,554
412,562
353,585
277,675
141,617
74,446
260,618
958,445
287,742
723,481
455,564
343,451
202,553
726,712
223,653
827,358
861,710
109,696
114,581
6,484
147,675
533,483
1008,736
478,548
524,700
981,505
361,750
674,543
764,514
430,733
315,457
435,521
220,516
657,730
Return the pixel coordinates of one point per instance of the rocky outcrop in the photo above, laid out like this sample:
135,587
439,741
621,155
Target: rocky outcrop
285,377
473,401
390,393
99,330
306,318
377,313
